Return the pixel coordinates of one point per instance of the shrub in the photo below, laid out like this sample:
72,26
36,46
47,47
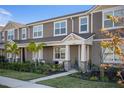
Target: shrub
105,79
94,78
111,73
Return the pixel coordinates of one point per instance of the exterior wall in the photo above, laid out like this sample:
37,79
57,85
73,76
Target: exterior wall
74,54
69,25
30,32
48,53
48,29
16,34
28,55
76,24
97,24
96,53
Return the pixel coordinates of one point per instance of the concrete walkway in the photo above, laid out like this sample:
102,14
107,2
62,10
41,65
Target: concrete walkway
14,83
54,76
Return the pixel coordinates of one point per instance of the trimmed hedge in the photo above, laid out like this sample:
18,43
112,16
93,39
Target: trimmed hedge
41,68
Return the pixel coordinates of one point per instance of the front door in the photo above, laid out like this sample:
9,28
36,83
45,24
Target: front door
74,56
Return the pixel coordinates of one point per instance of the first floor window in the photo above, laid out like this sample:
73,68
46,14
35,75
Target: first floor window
9,55
109,56
38,55
60,52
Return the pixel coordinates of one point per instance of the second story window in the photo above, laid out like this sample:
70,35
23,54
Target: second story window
38,31
83,24
60,28
107,23
24,33
10,34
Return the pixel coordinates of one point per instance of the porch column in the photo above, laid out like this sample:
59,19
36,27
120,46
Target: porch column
83,63
67,64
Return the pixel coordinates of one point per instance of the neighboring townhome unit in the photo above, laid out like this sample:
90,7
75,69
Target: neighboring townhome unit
72,40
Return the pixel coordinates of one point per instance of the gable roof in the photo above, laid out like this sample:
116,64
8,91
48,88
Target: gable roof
11,25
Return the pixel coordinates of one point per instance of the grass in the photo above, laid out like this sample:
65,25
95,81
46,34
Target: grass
72,82
19,75
1,86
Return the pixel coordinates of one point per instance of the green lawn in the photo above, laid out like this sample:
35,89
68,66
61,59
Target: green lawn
19,75
1,86
72,82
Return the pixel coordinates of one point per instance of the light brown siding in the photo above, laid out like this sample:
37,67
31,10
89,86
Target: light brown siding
48,53
30,32
48,29
76,24
69,25
96,53
97,24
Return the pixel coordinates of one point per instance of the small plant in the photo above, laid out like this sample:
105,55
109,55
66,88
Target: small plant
105,79
94,78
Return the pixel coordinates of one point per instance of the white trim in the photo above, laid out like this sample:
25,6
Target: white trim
72,25
104,39
91,23
72,35
87,24
66,27
111,10
41,31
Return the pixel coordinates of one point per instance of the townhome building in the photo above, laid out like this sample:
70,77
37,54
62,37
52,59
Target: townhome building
71,39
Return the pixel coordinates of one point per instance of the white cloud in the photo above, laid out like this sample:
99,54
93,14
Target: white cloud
5,16
5,12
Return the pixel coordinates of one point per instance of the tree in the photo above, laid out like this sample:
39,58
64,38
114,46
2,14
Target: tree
12,48
115,43
34,48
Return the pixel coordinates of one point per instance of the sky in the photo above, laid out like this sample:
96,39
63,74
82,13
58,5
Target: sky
31,13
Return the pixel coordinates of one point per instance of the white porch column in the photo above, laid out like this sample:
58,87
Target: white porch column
83,58
67,53
67,64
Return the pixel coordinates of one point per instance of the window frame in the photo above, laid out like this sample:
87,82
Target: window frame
60,27
84,24
111,10
54,53
13,33
113,58
22,32
38,31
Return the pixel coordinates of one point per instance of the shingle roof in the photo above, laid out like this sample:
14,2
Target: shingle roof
57,38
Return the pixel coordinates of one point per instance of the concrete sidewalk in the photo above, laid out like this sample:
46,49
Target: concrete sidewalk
14,83
54,76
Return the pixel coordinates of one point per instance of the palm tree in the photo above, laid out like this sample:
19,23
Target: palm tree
34,48
11,47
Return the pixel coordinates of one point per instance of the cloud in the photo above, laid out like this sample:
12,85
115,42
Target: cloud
5,16
5,12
